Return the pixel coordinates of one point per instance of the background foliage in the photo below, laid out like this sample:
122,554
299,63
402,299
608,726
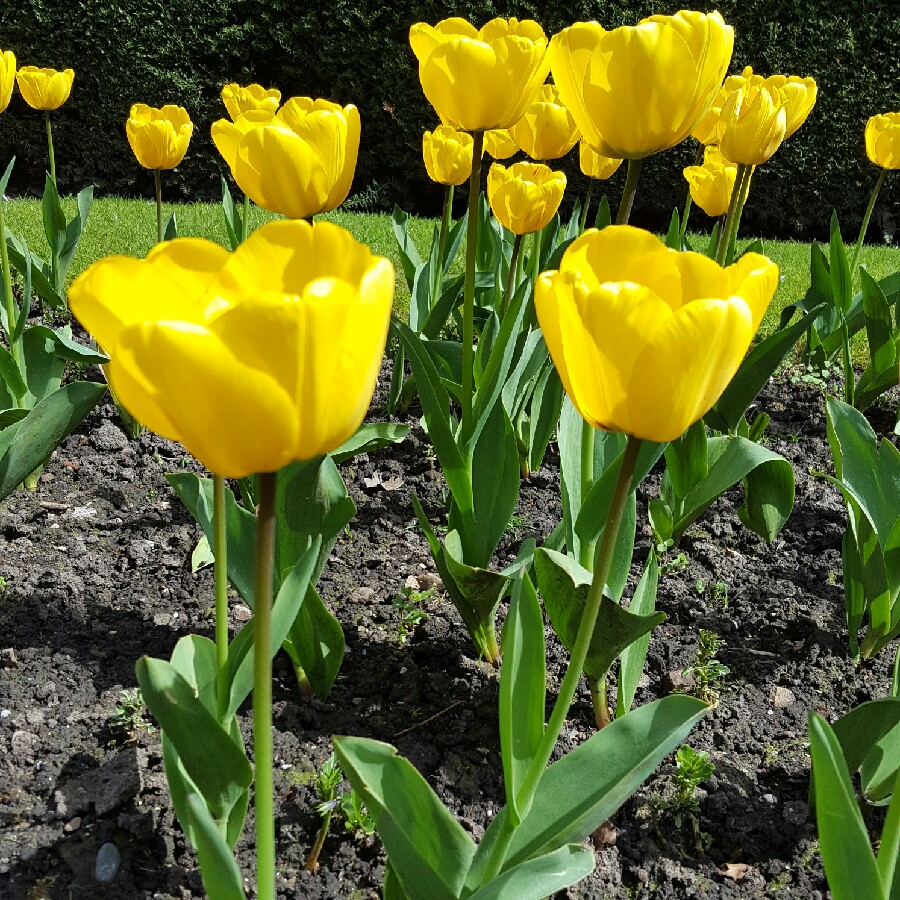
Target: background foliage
356,51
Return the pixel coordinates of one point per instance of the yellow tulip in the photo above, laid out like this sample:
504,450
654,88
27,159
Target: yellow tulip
799,95
239,100
547,129
594,164
525,196
883,140
298,163
7,77
480,79
448,155
251,359
498,143
712,183
44,88
640,89
752,125
644,338
159,137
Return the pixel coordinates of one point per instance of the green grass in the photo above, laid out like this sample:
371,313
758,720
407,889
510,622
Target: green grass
118,225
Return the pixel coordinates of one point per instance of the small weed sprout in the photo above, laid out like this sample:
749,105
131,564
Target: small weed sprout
515,525
706,670
4,584
681,805
357,818
677,564
409,603
129,718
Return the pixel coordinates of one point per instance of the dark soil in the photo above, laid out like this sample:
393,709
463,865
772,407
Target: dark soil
96,571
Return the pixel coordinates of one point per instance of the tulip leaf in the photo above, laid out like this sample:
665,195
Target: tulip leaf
541,416
370,436
522,687
392,889
23,261
564,587
68,349
54,219
768,497
583,789
9,372
234,225
170,229
222,879
450,297
687,462
194,659
410,260
634,655
673,237
540,877
839,268
74,230
315,642
604,215
4,179
429,851
44,368
27,444
846,852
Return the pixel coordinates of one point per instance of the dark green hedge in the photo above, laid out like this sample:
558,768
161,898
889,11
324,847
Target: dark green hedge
182,51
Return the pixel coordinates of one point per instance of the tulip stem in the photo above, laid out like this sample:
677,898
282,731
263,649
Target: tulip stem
446,218
262,689
849,374
730,228
468,329
512,280
586,548
600,698
245,222
587,205
535,259
865,222
220,554
567,689
157,180
631,183
50,145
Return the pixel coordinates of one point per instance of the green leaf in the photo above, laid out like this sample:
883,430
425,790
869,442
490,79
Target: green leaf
846,852
522,688
542,877
194,659
687,462
66,348
54,218
222,878
409,255
881,767
635,654
28,443
4,179
370,436
889,851
23,260
210,756
393,890
9,372
768,498
604,216
315,642
673,237
839,266
879,327
233,224
429,850
43,366
862,730
74,231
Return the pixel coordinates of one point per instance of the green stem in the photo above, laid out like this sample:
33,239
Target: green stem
730,220
865,222
586,549
742,202
687,212
600,698
587,204
446,218
312,861
631,183
12,314
576,660
245,222
157,180
262,690
849,374
468,329
220,554
50,145
512,281
535,258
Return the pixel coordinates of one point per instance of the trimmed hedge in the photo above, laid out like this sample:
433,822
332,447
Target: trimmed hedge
356,51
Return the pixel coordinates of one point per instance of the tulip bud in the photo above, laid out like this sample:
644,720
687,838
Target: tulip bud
7,77
159,138
44,88
752,125
712,183
596,165
448,155
498,143
883,140
547,129
239,100
525,196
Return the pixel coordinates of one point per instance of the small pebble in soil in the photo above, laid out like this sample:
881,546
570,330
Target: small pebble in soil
107,865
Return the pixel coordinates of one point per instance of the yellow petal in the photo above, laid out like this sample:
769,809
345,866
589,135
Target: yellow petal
7,77
570,54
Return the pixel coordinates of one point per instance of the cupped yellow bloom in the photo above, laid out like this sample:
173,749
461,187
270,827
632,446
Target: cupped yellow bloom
447,154
7,77
712,183
525,196
498,143
644,338
640,89
752,125
799,96
251,359
159,137
594,164
883,140
239,100
44,88
299,162
480,79
546,129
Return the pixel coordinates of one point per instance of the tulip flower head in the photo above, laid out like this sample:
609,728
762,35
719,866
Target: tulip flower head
752,125
239,100
546,129
498,143
644,338
7,77
712,183
159,137
44,88
448,155
641,89
525,196
299,162
251,359
883,140
480,79
594,164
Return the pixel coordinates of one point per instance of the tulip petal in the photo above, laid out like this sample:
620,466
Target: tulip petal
570,54
754,278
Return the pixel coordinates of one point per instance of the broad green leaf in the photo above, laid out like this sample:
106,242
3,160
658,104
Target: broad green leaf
522,687
429,850
315,642
43,366
66,348
194,659
846,852
28,443
9,372
222,879
673,237
233,224
74,230
635,654
22,260
393,890
370,436
768,498
879,327
54,217
881,767
170,229
450,297
542,877
889,851
409,255
862,730
604,216
4,179
839,267
543,415
687,462
854,590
